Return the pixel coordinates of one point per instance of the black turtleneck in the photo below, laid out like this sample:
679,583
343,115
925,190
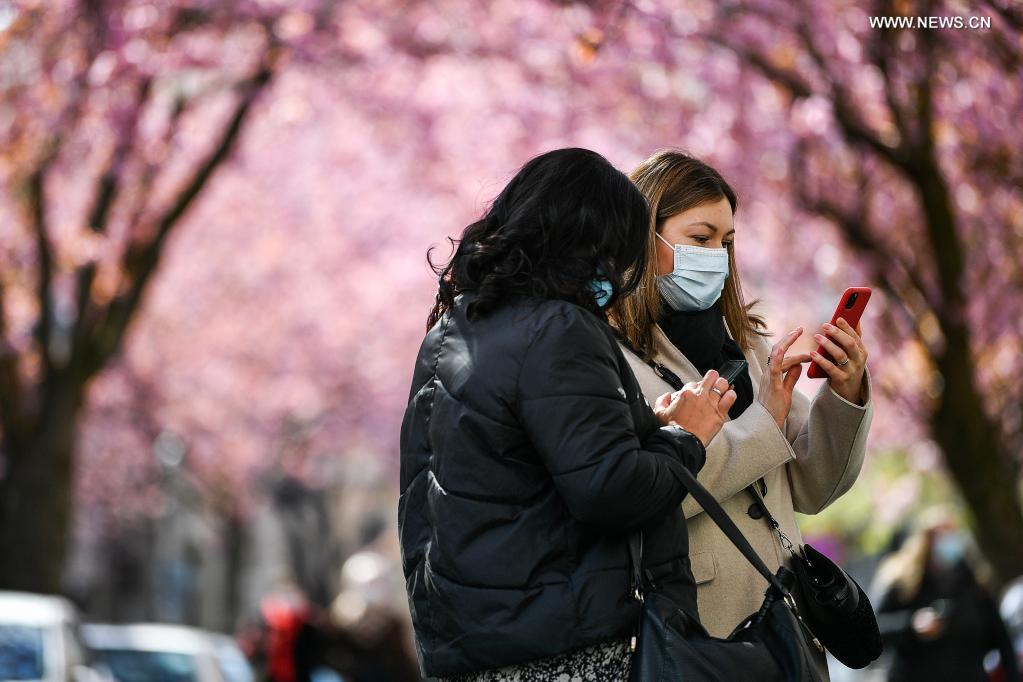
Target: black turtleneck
701,336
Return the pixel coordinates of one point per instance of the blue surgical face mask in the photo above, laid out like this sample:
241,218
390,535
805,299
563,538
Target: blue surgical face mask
949,548
602,288
698,278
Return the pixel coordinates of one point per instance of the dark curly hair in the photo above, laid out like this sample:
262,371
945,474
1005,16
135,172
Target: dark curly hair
564,215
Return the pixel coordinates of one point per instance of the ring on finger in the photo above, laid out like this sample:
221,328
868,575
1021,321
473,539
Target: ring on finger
844,362
717,390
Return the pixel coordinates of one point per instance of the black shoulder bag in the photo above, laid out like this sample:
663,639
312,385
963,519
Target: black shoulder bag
771,645
835,607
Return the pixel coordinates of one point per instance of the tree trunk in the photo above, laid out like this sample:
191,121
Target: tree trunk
977,456
234,531
35,496
979,462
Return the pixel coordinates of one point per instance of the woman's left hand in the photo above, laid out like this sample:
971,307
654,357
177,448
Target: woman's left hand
846,346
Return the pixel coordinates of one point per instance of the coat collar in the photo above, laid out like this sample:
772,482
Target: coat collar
665,353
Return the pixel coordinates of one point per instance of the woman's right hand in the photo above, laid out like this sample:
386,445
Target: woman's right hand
700,407
775,392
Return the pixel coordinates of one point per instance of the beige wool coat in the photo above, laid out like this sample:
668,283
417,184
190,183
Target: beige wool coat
806,467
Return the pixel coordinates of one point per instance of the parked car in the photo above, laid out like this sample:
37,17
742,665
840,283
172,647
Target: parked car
166,653
39,640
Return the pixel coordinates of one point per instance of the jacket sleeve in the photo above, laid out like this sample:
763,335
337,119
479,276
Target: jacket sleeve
573,407
829,441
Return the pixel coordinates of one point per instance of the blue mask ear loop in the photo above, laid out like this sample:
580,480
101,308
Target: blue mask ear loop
602,288
671,246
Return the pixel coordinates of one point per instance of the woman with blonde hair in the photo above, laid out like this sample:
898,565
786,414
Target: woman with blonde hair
936,610
780,452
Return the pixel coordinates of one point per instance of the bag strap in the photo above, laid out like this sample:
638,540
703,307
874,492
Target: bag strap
783,539
721,519
665,374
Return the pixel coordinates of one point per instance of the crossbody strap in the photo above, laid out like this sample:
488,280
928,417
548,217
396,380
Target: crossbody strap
660,370
721,519
783,539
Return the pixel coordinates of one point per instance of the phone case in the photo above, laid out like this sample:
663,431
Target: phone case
852,316
731,370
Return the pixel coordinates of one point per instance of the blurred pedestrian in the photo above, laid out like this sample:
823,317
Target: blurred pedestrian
369,639
528,451
285,613
936,613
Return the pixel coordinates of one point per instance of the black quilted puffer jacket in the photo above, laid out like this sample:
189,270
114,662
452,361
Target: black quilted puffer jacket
528,454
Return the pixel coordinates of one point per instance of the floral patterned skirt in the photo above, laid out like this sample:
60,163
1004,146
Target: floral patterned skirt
604,662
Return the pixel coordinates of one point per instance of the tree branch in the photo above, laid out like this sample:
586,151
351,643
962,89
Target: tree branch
104,197
853,225
108,183
924,94
797,86
790,80
1010,15
855,129
36,200
35,184
881,53
10,383
925,175
141,260
149,172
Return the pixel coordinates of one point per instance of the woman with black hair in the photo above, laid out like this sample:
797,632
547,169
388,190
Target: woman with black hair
528,452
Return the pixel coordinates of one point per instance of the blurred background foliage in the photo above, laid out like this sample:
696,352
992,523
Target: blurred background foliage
214,219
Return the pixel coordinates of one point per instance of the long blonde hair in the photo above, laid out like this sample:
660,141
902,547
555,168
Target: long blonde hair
673,182
904,569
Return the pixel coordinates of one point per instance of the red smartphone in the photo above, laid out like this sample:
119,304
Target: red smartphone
850,307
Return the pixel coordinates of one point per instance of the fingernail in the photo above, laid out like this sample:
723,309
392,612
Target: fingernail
819,337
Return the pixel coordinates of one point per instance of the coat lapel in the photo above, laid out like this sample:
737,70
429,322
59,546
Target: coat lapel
665,353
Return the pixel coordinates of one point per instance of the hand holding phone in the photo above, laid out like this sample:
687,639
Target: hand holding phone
850,307
699,407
